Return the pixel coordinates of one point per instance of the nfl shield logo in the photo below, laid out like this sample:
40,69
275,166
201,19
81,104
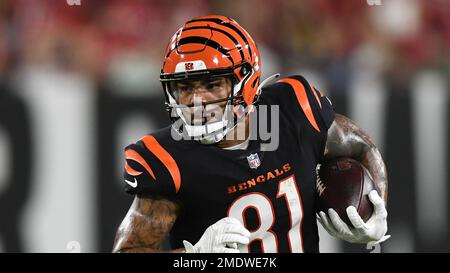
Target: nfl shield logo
253,161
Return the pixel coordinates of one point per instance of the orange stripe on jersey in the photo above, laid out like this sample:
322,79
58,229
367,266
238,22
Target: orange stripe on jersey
315,95
302,98
133,155
152,145
130,170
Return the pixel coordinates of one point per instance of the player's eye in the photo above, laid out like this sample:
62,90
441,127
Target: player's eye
214,84
184,88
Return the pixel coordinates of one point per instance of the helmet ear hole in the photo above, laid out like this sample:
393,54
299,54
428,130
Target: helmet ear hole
244,70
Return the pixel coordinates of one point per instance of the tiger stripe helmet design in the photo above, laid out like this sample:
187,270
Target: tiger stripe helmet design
213,46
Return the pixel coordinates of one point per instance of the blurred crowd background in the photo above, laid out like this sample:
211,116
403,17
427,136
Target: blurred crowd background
79,80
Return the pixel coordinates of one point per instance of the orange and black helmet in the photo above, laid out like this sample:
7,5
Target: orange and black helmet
213,46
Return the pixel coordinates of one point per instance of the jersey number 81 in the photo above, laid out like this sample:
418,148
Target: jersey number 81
288,190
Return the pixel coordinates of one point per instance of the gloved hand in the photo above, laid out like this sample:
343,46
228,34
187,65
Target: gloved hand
373,231
222,237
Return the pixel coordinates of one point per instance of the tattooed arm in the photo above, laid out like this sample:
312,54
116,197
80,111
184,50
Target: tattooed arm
345,139
146,225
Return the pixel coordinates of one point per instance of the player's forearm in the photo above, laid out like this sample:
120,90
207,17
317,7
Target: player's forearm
146,225
148,250
128,243
345,139
374,163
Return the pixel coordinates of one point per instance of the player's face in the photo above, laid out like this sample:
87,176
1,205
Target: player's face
197,92
204,90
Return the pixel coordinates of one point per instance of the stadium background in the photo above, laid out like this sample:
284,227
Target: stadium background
79,82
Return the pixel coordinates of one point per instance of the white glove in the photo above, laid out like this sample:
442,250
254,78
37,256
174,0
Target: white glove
222,237
373,231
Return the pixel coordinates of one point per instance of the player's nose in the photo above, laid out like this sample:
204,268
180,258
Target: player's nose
197,99
198,94
196,111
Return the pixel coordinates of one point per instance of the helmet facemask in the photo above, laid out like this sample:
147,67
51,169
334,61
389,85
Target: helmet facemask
210,122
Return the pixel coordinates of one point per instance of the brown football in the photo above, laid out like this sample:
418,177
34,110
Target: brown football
344,182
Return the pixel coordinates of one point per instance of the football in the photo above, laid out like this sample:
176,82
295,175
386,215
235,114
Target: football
344,182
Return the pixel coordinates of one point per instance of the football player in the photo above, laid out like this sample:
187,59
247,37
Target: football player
208,187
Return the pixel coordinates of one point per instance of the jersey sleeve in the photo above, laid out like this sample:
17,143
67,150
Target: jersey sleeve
148,170
310,111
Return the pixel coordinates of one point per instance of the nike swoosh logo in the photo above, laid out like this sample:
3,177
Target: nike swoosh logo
133,184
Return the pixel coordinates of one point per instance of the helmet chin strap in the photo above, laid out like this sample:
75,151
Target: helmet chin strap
220,135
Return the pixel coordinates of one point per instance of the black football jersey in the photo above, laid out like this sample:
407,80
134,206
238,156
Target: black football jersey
272,192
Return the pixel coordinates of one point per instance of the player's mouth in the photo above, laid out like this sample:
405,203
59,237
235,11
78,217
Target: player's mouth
202,116
198,121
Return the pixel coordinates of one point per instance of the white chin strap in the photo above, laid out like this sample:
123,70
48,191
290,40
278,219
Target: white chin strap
214,132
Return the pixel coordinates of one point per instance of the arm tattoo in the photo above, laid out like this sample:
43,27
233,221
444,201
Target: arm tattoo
146,225
346,139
